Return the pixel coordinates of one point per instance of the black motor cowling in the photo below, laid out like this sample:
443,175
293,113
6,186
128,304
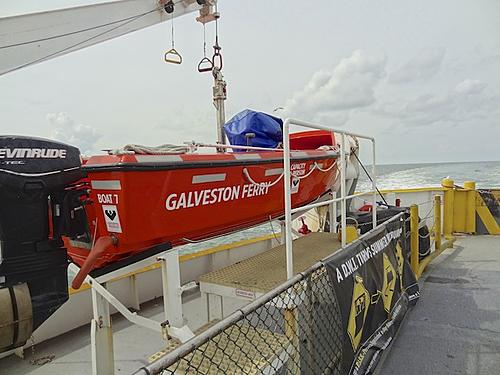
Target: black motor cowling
35,176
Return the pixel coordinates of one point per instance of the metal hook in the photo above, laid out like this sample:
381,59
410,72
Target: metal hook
217,59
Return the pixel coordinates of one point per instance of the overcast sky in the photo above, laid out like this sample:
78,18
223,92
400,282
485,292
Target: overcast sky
423,77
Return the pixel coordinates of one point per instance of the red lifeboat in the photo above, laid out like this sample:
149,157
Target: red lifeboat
142,201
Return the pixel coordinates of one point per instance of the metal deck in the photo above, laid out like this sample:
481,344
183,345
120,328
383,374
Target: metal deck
264,272
455,327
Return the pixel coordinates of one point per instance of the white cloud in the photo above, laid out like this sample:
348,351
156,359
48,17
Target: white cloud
331,94
64,129
470,87
187,124
467,101
422,66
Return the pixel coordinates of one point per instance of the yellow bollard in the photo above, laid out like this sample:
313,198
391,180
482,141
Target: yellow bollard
449,198
470,217
351,233
437,222
414,238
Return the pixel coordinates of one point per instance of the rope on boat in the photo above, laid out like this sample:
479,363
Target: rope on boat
315,166
166,149
252,181
324,170
274,233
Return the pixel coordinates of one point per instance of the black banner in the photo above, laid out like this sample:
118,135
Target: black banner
375,287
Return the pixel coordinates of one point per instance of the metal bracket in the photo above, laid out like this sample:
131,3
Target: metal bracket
207,13
101,328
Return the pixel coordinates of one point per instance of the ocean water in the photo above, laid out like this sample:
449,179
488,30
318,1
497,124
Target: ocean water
389,176
486,174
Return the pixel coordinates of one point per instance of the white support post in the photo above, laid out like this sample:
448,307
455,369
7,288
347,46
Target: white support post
101,336
172,291
343,197
343,188
288,199
374,186
215,307
134,293
283,232
333,213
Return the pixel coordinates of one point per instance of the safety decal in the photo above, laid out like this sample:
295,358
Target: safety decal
389,284
359,308
112,218
295,185
401,260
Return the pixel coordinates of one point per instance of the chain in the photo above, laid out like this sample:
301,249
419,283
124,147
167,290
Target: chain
172,22
217,57
204,40
216,24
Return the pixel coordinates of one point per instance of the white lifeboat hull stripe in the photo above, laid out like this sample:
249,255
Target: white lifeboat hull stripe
244,156
273,172
299,154
320,165
158,158
204,178
106,185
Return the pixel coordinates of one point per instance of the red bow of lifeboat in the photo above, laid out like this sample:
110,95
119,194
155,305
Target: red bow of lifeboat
140,201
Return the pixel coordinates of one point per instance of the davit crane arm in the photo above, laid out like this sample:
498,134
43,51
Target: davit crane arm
28,39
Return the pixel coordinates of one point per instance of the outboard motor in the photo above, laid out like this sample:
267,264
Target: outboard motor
37,206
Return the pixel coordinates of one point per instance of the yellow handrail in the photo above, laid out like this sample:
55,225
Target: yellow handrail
414,238
449,198
437,222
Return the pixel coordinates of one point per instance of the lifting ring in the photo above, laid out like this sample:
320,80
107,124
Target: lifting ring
173,57
205,65
217,57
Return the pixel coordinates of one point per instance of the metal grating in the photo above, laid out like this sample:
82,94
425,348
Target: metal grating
265,271
295,329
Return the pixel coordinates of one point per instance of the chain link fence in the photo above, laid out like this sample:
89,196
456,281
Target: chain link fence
295,329
330,319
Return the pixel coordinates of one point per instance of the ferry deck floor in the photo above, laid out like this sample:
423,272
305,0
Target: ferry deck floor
72,352
454,329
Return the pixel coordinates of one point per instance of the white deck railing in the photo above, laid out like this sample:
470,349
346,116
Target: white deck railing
331,202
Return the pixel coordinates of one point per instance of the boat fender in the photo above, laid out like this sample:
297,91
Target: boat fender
101,245
16,316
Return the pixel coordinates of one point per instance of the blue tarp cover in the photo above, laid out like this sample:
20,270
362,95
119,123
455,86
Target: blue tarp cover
267,129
